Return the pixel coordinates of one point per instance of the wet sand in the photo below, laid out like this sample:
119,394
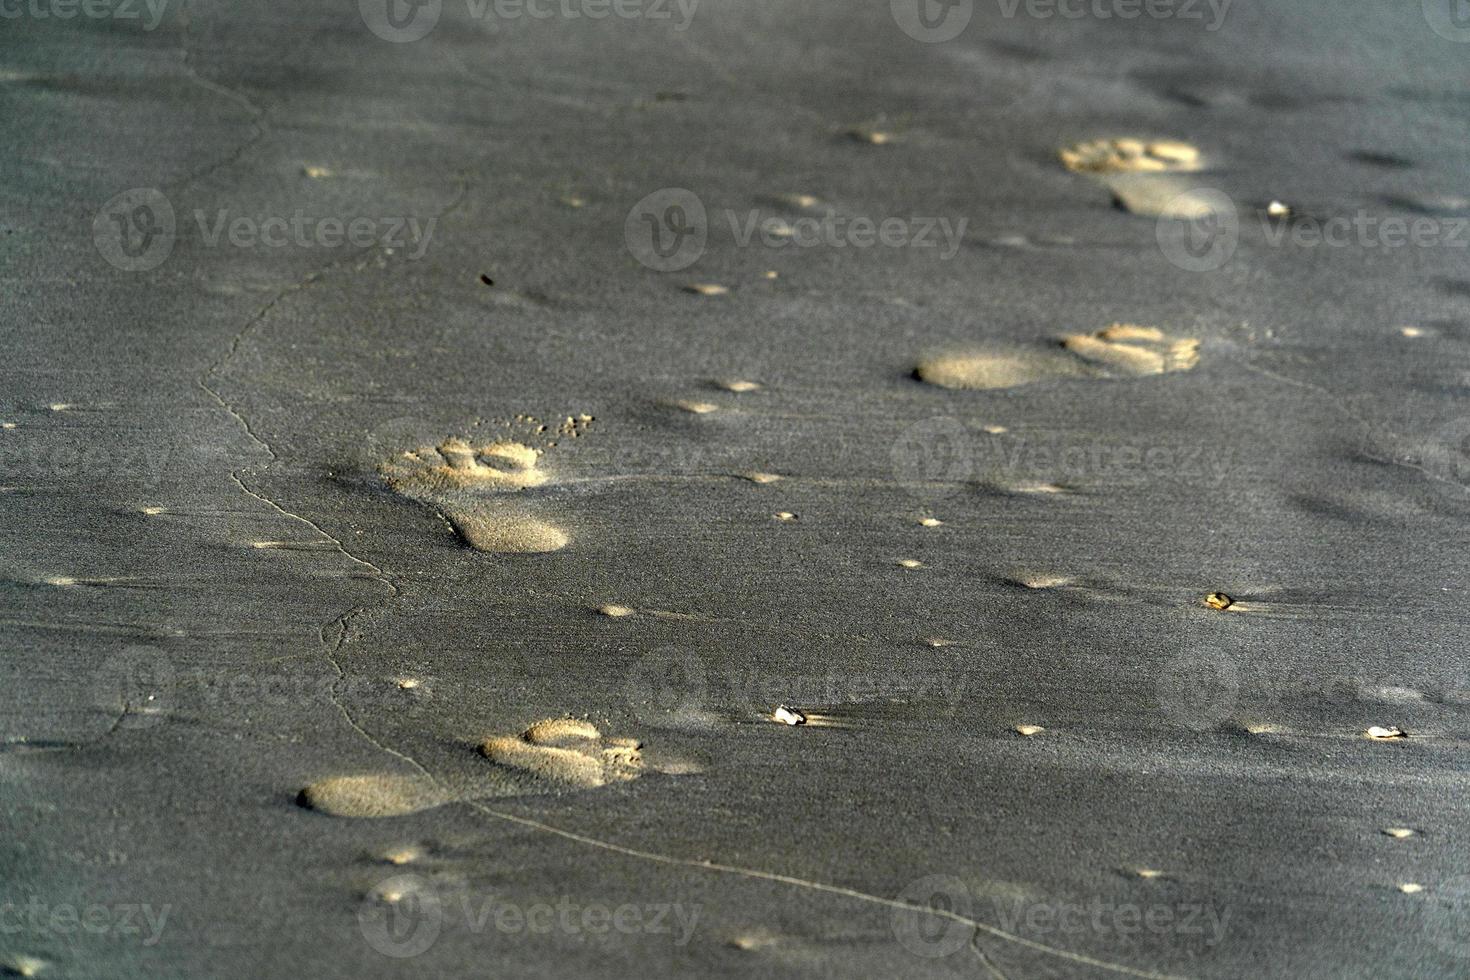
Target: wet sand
1011,596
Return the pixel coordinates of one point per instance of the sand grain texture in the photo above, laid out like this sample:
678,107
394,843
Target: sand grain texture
254,490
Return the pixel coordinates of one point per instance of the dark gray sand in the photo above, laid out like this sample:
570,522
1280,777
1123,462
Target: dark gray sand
285,600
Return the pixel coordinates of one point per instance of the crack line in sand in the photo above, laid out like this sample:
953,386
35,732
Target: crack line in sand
1341,407
819,886
330,648
257,114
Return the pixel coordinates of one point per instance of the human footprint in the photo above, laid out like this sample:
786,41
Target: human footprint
468,484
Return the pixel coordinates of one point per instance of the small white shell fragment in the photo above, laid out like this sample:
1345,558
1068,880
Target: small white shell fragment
788,716
1377,732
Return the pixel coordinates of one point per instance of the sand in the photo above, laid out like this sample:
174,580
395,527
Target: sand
251,490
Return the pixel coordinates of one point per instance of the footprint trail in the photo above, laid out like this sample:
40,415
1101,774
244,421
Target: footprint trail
550,756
